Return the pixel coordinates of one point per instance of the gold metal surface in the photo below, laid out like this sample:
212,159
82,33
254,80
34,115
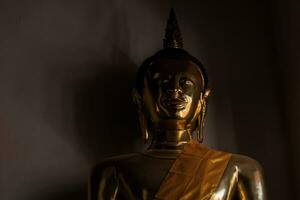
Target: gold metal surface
198,170
171,98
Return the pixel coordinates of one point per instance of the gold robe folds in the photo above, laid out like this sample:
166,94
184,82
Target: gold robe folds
195,174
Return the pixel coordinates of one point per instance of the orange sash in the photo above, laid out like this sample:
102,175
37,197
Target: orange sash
195,174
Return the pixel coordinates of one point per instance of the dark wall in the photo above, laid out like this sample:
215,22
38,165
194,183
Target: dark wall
287,29
67,69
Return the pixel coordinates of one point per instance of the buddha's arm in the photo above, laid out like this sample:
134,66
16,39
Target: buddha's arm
103,184
250,184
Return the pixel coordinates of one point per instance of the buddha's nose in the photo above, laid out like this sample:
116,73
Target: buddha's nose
174,89
176,93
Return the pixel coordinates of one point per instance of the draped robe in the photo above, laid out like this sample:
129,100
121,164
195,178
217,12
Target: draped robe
194,175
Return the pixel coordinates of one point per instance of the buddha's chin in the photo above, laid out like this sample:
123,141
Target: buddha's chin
173,124
177,113
175,116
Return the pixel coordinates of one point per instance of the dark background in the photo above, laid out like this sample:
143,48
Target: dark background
67,69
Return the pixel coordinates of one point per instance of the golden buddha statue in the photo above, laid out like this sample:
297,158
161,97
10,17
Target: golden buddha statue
171,96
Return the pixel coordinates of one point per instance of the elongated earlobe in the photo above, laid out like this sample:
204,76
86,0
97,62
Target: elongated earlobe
200,122
143,127
201,117
137,99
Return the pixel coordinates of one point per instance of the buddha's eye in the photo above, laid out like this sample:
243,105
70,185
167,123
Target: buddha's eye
186,82
156,75
165,81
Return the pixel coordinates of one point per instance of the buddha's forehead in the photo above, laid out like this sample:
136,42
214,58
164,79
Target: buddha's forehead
176,66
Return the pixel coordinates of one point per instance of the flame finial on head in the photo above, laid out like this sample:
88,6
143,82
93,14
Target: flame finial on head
173,38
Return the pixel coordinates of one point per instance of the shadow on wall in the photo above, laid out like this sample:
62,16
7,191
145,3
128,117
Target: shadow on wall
99,113
78,192
104,112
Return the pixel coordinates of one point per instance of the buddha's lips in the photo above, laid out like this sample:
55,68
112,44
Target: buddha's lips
174,103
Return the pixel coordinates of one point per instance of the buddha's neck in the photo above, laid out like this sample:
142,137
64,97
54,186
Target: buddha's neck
167,144
169,139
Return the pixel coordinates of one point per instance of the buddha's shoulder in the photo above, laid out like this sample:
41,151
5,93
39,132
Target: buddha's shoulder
242,160
112,163
239,161
244,163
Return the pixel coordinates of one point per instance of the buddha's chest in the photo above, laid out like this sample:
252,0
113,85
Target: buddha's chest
143,180
143,185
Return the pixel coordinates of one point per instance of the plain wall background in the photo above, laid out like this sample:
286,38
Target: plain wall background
67,69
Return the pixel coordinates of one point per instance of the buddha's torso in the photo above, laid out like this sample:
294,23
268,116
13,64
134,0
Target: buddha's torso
139,176
134,176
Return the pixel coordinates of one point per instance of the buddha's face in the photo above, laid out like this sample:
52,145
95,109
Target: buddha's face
173,89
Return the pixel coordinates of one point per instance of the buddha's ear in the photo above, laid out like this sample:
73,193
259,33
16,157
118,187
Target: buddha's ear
137,99
204,96
202,114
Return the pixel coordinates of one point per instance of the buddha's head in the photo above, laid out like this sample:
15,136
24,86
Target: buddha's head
171,87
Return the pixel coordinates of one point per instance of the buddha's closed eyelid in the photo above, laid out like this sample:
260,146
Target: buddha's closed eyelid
165,78
165,81
156,75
